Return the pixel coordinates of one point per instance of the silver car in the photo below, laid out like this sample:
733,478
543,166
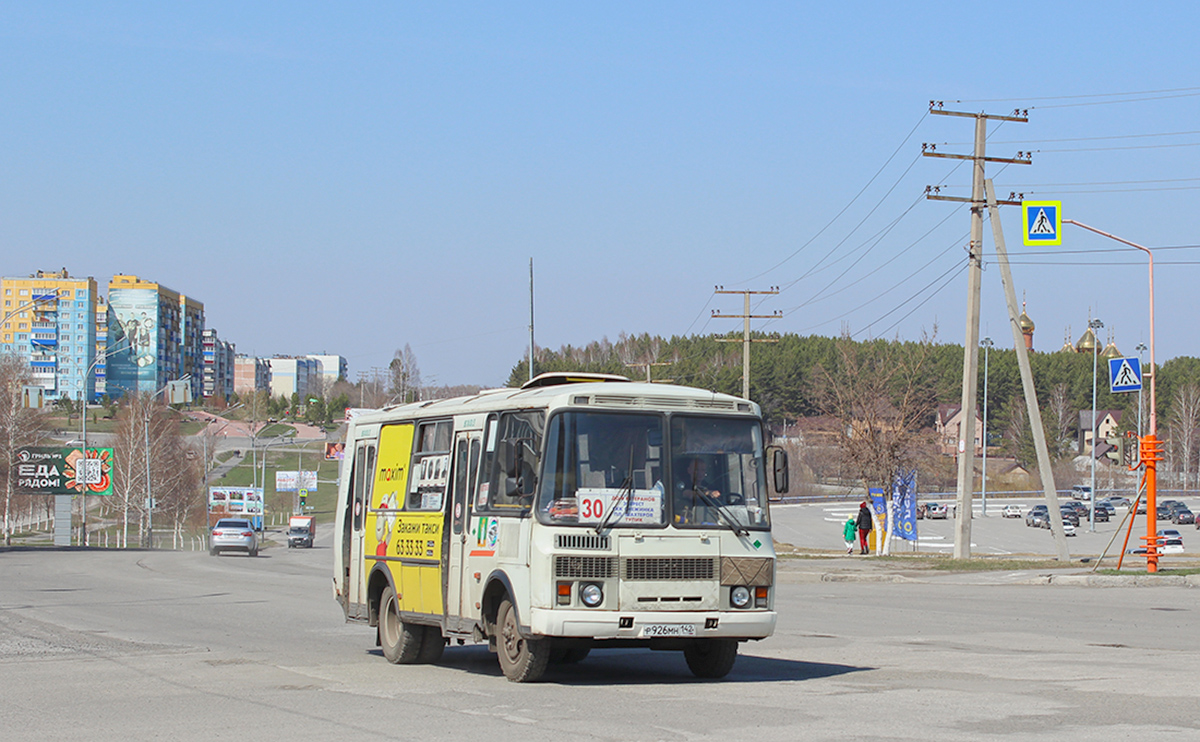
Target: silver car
232,534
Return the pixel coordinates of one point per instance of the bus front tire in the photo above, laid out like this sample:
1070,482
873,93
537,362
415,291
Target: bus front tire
523,660
711,658
401,641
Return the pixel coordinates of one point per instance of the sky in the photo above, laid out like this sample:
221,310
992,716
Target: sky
352,178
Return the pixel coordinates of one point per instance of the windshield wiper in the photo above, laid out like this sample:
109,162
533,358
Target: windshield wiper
731,521
623,496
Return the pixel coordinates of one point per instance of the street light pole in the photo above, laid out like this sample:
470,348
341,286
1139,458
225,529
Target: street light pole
987,346
1141,348
1094,325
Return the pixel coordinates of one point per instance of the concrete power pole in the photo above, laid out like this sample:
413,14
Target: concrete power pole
970,383
648,365
745,316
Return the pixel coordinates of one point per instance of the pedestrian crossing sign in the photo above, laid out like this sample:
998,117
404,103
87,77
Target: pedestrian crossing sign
1125,375
1043,222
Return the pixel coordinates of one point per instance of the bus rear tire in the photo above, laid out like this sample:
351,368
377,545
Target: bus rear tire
432,646
711,658
401,641
522,660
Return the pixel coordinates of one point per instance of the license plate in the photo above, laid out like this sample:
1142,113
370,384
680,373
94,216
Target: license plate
669,629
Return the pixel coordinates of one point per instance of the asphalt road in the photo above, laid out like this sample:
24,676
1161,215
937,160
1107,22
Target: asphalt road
110,645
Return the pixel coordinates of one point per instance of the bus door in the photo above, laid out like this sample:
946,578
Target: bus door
361,484
467,448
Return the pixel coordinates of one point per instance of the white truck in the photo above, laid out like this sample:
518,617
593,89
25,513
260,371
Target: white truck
302,529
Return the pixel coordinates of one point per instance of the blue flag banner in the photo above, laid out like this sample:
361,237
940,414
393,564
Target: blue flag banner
904,505
878,506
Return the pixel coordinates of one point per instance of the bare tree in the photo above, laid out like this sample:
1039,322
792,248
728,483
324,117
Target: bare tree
19,427
883,395
406,374
1182,423
1059,417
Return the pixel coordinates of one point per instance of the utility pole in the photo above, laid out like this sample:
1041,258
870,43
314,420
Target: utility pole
745,316
531,320
966,431
648,365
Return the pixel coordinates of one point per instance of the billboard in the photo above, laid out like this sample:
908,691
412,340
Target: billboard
133,332
285,481
41,470
235,502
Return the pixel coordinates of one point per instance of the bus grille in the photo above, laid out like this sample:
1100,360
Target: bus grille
669,568
581,541
585,567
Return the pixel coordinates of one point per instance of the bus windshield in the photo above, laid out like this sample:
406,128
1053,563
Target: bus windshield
614,469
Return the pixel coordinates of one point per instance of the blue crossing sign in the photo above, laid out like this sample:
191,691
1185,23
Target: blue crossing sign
1042,222
1125,375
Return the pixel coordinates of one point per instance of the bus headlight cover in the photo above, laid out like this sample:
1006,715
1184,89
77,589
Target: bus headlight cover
591,595
740,596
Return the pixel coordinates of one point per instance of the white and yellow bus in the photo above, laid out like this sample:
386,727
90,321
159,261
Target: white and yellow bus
580,511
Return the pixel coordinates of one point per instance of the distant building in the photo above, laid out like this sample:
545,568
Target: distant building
218,367
292,375
49,319
333,368
1106,424
251,374
948,424
101,360
155,335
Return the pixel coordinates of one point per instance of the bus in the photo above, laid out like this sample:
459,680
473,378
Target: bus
578,512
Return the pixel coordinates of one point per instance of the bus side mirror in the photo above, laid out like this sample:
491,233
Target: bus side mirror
510,460
779,468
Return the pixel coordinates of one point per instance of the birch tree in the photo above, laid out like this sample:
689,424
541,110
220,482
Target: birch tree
19,427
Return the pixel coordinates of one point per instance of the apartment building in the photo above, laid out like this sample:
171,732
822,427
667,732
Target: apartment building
49,319
155,335
250,374
218,366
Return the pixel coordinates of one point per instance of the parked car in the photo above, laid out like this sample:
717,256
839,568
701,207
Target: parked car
936,510
1119,502
1038,517
1068,529
1163,512
1109,509
1182,516
1101,515
1081,492
1169,533
1080,509
1069,515
231,534
1172,546
1011,511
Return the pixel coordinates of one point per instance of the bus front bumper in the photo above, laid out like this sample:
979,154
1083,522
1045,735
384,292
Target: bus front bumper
750,624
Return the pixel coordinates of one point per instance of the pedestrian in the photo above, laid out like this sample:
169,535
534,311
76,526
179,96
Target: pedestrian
848,531
865,525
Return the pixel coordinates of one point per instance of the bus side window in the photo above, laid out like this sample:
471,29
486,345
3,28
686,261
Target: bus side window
430,467
356,485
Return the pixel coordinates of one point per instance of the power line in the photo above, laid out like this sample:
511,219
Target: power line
949,277
1077,97
1084,139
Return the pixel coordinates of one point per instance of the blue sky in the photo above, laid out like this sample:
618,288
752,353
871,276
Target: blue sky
349,179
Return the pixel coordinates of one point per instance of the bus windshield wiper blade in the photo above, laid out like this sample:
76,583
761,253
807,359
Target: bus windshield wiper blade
731,521
623,496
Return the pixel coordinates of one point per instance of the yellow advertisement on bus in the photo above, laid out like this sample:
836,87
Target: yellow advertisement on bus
404,522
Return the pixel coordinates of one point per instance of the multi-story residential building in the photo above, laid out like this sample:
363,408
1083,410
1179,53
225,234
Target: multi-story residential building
155,335
101,360
250,374
218,366
333,368
49,318
292,375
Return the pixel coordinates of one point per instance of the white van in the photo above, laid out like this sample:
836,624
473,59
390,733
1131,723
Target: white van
1081,492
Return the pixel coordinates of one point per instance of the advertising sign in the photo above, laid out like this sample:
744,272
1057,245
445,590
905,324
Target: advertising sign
289,481
63,471
235,502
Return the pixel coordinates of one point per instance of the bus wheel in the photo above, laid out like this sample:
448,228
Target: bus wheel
522,660
711,658
401,641
432,645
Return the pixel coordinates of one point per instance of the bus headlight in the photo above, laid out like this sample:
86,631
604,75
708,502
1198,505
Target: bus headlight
740,596
591,595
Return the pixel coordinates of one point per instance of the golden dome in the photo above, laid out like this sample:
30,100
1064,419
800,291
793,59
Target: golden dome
1025,323
1110,351
1087,342
1067,347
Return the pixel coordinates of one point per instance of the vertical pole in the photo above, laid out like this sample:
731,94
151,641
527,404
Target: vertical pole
987,346
746,349
531,319
1031,403
1092,452
83,537
149,494
966,431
